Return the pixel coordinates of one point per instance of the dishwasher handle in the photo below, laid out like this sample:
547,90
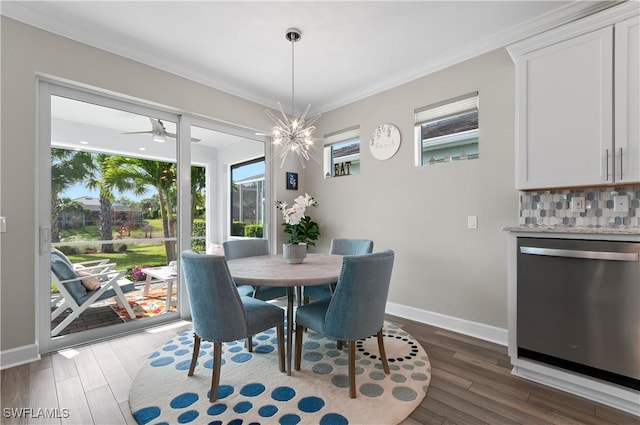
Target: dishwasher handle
591,255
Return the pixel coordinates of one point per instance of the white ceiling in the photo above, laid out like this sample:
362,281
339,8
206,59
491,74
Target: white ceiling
349,50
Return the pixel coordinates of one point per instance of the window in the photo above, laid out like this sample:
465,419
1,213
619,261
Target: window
447,131
247,198
342,153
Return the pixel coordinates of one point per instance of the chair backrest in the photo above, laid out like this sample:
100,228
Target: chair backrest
351,246
61,255
358,304
241,248
61,269
216,309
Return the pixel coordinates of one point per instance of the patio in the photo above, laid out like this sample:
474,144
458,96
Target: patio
108,313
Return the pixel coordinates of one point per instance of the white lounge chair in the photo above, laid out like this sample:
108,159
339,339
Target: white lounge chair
72,285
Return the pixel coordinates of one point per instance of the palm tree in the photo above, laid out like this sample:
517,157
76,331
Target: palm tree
67,168
198,184
136,175
94,180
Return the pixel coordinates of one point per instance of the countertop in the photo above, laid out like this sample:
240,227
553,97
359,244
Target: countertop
576,230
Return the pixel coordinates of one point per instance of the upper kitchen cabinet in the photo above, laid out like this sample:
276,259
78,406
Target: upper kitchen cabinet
626,101
577,114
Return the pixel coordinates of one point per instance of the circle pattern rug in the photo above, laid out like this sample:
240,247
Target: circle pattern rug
254,391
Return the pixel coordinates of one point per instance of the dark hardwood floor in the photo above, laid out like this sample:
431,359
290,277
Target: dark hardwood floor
471,384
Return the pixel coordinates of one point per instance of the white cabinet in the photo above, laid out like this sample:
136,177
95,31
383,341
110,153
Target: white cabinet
577,104
627,103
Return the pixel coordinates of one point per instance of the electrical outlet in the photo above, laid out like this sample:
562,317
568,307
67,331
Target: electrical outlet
472,222
621,203
577,204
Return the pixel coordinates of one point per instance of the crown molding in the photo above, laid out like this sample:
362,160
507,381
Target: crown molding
21,11
575,28
559,17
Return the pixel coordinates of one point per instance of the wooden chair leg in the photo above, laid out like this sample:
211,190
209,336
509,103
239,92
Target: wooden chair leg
215,375
352,369
249,343
194,356
298,356
383,354
280,333
339,344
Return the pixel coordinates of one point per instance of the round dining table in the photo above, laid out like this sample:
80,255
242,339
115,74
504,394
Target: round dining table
273,270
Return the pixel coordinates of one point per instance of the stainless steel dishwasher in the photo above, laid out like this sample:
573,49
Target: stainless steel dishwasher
578,306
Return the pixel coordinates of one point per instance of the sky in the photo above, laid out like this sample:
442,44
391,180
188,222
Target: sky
79,190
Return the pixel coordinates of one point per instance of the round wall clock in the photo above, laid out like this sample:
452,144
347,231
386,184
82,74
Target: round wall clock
385,142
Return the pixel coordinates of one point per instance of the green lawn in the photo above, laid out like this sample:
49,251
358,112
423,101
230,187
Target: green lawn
88,233
136,255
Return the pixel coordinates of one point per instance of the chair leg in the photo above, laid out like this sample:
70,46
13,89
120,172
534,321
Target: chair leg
194,356
215,375
298,356
280,332
383,354
249,344
339,344
352,369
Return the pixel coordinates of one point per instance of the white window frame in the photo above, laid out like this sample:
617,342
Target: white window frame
442,110
337,137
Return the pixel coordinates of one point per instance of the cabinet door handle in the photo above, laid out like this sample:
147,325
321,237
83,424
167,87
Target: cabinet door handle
620,163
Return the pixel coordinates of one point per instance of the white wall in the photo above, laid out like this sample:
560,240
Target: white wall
421,213
27,52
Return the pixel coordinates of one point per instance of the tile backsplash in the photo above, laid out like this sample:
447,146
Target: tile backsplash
553,208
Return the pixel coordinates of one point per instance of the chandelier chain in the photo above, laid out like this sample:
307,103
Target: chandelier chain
293,134
293,76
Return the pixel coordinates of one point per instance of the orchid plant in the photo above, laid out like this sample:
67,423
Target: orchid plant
298,227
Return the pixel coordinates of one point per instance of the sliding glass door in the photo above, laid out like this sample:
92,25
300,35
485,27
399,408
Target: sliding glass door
123,188
109,172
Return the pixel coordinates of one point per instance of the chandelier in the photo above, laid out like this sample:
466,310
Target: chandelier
291,134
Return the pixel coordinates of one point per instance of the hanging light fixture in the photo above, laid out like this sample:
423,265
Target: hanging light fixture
293,134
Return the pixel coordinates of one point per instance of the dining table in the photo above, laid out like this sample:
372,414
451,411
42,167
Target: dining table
273,270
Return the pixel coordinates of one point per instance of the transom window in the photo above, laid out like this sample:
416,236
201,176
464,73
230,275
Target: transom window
447,131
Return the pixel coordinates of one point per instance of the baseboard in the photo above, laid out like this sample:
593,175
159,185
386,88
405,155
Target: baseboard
18,356
466,327
621,398
29,353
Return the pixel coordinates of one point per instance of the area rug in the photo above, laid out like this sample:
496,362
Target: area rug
151,305
254,391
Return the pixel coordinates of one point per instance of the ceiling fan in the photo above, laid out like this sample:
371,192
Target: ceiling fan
158,132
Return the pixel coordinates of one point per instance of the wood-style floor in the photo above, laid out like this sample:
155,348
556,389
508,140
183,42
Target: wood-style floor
471,384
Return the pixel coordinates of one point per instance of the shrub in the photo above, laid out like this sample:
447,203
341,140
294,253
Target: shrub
69,250
237,228
253,230
199,229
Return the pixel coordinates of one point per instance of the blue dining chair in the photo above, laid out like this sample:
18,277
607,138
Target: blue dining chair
339,247
220,314
356,309
241,248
